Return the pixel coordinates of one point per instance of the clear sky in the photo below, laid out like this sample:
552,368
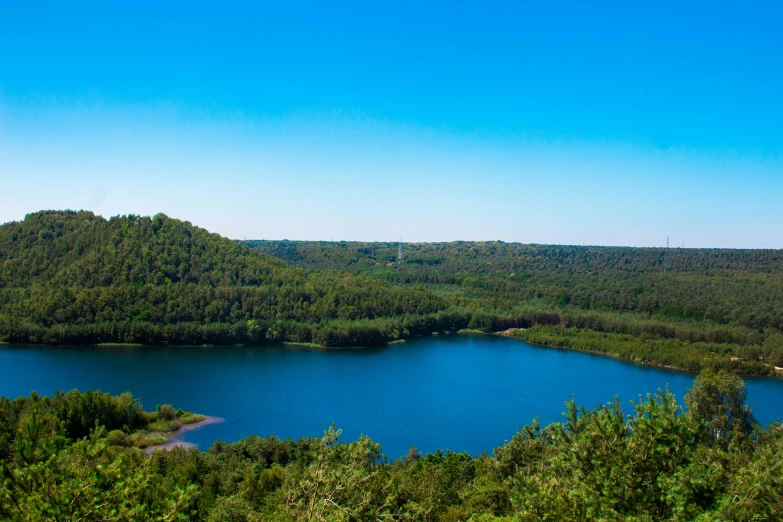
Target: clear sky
550,122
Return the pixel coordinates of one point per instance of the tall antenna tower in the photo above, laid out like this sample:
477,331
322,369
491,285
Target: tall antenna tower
399,253
666,266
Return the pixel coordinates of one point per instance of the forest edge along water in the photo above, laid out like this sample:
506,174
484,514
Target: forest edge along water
461,392
74,278
517,334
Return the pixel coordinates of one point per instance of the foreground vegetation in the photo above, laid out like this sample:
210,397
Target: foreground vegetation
76,278
73,415
711,461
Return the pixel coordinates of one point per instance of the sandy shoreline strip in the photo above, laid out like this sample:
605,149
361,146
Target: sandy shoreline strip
510,332
177,437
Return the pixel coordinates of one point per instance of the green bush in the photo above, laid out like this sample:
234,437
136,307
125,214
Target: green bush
117,438
709,461
191,418
167,412
165,425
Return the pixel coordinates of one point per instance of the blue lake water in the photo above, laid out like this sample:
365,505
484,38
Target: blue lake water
464,393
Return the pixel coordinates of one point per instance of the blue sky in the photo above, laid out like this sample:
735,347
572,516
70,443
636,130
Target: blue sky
547,122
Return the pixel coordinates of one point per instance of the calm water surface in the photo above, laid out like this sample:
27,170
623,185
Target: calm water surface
463,393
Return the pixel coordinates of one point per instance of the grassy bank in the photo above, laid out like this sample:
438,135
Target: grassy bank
650,349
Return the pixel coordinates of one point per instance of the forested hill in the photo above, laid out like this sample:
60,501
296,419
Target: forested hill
711,307
458,256
723,286
74,277
82,249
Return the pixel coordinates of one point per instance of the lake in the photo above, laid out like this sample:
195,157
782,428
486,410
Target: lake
460,392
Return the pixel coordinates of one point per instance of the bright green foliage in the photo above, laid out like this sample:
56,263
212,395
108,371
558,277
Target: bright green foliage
86,480
341,484
724,286
600,465
68,277
725,305
646,349
719,399
76,278
74,415
709,462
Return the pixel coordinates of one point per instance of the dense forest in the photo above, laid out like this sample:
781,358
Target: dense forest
73,277
722,304
63,458
76,278
724,286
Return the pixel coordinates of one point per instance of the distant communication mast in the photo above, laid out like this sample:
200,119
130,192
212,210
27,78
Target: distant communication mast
399,253
666,266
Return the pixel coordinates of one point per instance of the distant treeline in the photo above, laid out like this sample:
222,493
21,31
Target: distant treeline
728,304
459,256
76,278
65,458
723,286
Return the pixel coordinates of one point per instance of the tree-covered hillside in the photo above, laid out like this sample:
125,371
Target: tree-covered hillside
725,286
712,307
68,277
75,278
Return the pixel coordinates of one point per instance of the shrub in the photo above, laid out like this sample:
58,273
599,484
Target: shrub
167,412
164,425
117,438
191,418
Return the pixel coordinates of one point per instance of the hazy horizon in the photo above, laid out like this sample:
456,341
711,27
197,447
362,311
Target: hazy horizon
394,242
560,123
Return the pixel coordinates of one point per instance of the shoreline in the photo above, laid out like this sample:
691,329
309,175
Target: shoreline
177,437
777,376
508,334
604,354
